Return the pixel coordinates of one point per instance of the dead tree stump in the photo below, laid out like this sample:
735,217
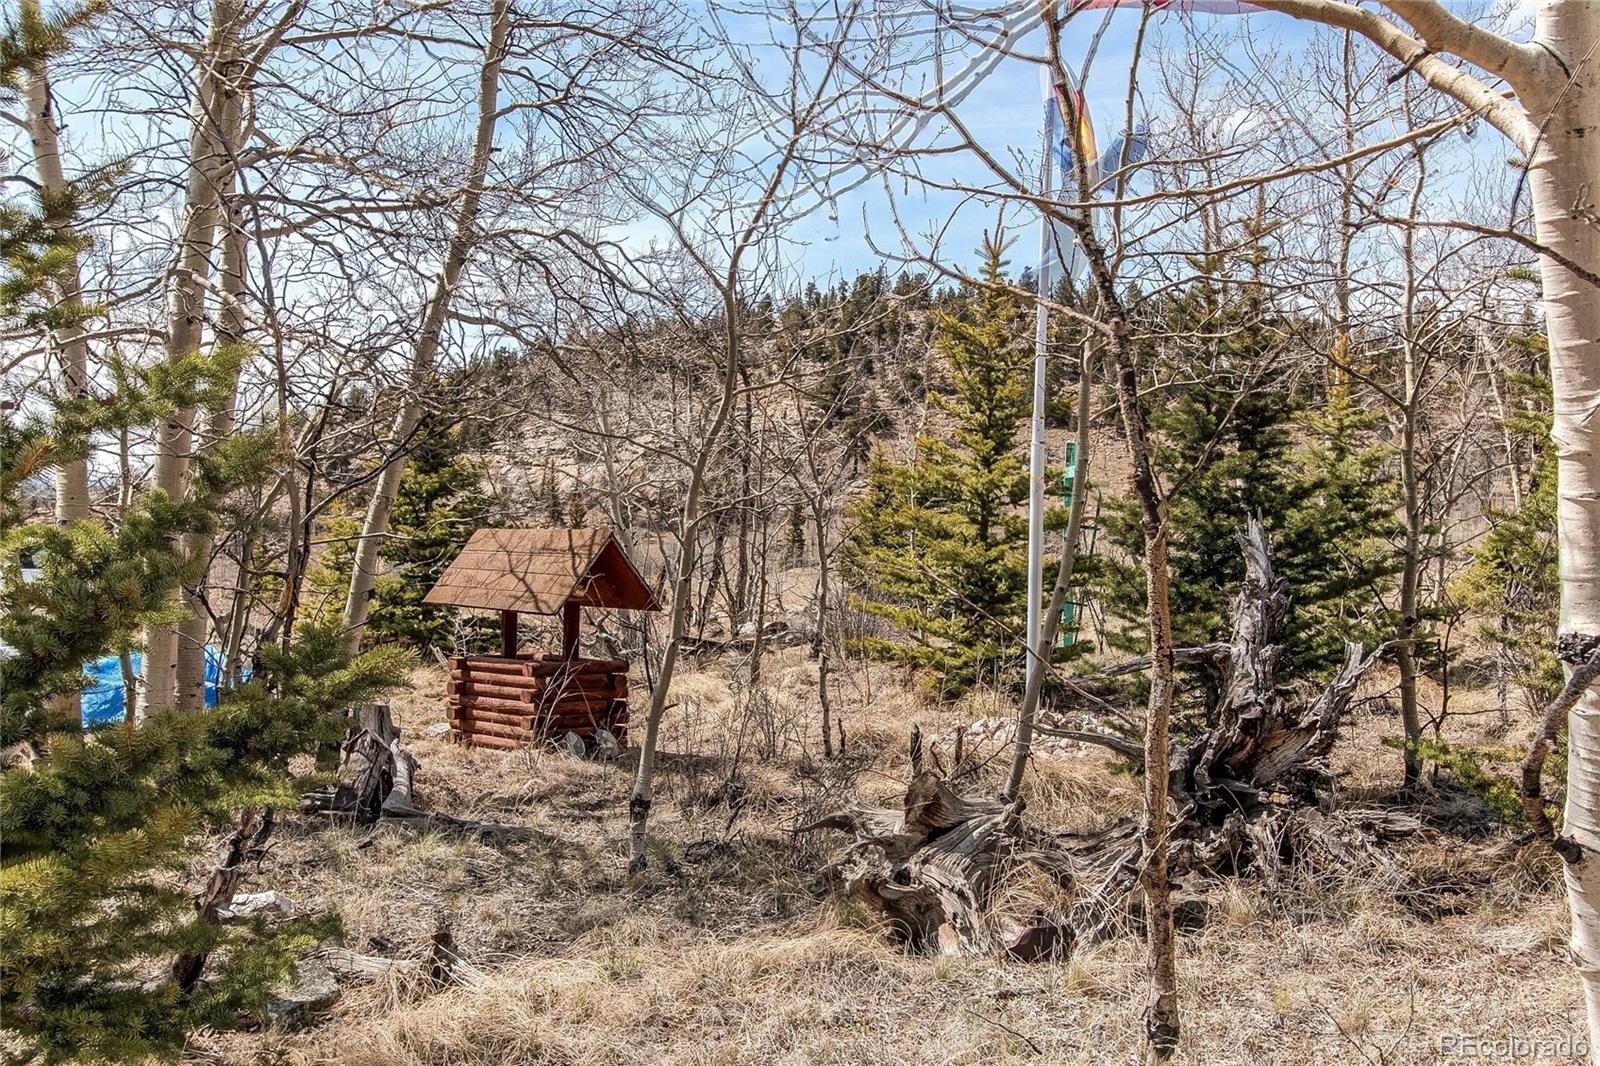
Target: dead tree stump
931,868
376,784
246,844
1245,786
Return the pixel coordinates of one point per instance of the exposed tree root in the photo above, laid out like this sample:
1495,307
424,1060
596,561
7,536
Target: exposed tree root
1244,791
1245,788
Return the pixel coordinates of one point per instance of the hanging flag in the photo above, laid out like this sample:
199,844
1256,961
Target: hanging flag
1072,131
1070,134
1114,158
1187,7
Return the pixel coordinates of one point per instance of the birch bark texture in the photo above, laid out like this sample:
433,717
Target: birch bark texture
67,342
209,168
194,631
70,348
1551,116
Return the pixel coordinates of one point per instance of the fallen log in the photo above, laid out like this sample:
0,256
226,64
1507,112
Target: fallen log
442,965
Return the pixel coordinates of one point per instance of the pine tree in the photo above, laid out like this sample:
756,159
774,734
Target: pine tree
1335,542
99,830
440,504
1223,443
328,577
555,512
795,536
577,510
940,543
1235,443
1513,577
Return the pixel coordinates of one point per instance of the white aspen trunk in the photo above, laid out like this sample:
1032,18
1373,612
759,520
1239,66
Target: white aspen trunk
130,677
67,341
819,640
608,456
72,476
194,630
364,570
208,162
1161,1020
1411,556
1561,177
1410,575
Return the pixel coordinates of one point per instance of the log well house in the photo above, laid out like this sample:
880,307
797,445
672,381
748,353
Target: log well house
516,697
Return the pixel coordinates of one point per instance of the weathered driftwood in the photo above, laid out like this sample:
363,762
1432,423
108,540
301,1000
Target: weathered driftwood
1244,787
246,844
931,867
366,773
376,784
442,965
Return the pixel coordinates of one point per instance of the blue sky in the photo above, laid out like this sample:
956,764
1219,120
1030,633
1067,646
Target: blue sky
1006,107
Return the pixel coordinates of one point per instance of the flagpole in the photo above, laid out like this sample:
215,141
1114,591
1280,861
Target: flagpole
1036,452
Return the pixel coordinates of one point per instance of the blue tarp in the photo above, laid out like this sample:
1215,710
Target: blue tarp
102,700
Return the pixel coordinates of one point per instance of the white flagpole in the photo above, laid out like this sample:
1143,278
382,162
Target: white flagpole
1036,456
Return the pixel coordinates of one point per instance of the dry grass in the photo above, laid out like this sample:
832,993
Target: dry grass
721,955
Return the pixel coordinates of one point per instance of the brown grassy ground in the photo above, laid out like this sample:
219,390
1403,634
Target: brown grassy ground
721,955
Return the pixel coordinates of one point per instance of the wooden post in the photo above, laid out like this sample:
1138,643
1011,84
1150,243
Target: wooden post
569,630
508,634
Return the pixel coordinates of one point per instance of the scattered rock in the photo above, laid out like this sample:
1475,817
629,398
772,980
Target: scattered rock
246,904
573,745
437,729
606,747
312,990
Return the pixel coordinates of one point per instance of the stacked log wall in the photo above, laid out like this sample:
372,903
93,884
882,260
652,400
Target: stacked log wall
500,702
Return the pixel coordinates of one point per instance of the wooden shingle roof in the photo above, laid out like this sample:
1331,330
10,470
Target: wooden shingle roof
539,570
